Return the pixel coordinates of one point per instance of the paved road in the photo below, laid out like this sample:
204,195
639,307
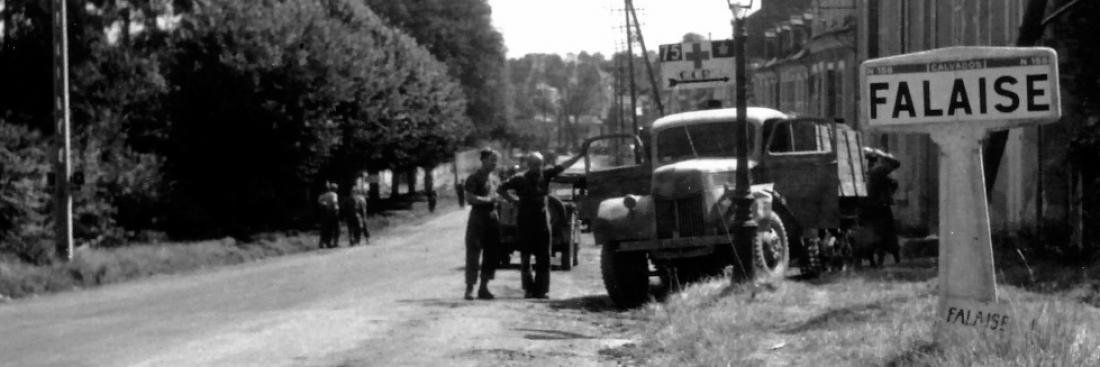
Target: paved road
394,303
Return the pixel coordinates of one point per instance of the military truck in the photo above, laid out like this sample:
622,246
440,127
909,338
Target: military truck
667,209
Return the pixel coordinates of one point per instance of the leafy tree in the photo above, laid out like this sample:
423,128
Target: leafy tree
460,34
271,99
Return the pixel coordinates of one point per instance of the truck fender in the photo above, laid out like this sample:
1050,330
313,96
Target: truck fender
616,222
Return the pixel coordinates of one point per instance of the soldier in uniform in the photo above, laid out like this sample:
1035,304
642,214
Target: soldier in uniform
483,228
431,200
352,210
876,212
530,190
360,197
330,216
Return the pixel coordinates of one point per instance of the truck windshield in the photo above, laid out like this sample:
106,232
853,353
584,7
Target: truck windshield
702,140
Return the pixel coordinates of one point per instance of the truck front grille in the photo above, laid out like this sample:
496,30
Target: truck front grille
683,217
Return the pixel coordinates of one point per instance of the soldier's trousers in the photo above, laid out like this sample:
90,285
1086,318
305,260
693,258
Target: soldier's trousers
330,230
482,243
534,240
881,219
356,225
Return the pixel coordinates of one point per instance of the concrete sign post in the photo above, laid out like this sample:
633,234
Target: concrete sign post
957,95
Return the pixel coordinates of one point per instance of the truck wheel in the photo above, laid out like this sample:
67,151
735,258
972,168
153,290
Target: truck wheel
770,249
625,275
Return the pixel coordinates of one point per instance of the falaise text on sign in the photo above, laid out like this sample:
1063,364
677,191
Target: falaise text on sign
976,318
959,91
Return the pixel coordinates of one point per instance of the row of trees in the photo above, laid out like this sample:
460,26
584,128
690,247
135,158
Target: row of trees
552,94
223,117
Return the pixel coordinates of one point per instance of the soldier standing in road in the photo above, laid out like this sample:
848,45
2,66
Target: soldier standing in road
330,216
360,197
483,228
531,188
352,211
876,211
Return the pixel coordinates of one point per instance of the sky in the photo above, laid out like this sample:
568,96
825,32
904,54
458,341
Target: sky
572,26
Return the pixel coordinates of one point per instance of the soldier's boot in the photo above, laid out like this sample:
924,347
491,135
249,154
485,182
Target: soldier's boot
469,292
483,291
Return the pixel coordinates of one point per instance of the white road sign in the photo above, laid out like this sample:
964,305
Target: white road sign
693,65
956,95
1002,86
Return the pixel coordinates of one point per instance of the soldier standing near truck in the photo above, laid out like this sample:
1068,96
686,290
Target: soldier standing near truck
483,228
876,212
531,188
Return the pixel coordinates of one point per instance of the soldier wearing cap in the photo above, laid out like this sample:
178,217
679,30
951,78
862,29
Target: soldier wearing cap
483,228
330,216
876,212
530,189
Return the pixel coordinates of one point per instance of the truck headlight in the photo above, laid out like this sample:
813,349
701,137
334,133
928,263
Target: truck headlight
630,201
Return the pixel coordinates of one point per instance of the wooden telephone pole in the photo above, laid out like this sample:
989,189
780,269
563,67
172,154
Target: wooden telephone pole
63,201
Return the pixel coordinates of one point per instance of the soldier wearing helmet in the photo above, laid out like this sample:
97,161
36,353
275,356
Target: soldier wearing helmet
330,216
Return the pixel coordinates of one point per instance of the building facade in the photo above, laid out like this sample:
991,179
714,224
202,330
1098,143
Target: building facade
810,65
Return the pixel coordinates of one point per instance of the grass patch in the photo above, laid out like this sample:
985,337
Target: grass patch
97,266
880,317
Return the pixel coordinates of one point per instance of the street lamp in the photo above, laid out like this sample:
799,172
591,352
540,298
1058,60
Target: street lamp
745,227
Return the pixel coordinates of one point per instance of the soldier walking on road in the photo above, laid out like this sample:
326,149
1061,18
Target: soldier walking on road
876,212
352,210
531,188
330,216
483,228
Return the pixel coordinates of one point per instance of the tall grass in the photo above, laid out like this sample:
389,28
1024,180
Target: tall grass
874,318
1053,333
97,266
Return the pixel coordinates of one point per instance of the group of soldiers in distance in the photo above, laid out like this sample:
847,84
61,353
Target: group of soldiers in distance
351,207
528,190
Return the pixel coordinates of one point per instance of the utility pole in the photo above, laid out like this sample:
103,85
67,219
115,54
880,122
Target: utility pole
63,202
648,65
630,68
746,228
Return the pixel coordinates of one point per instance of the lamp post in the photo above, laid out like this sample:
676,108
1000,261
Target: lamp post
745,227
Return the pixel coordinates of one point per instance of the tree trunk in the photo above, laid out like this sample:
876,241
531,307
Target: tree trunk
412,180
375,189
124,33
395,183
429,181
